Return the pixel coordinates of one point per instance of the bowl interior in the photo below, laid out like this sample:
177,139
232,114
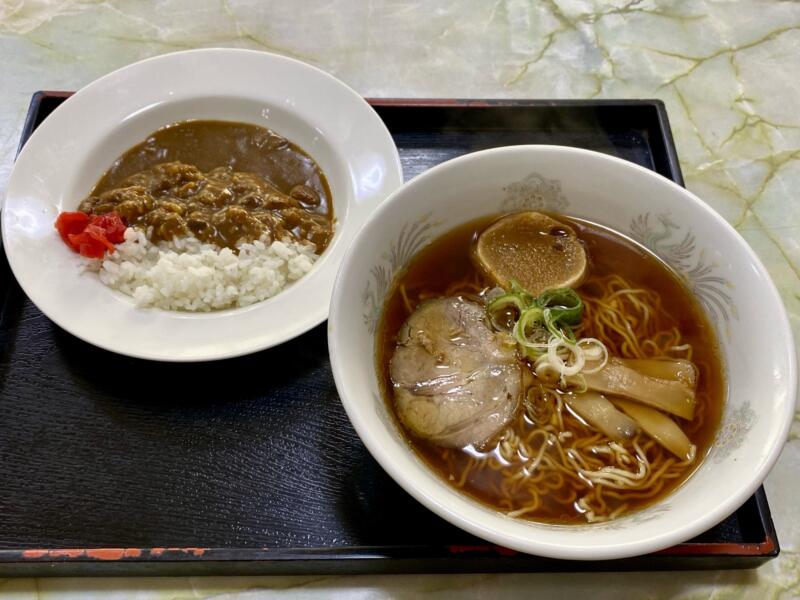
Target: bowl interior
716,264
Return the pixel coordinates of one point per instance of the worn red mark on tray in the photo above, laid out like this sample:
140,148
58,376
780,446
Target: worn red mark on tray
734,549
66,553
59,553
155,552
113,553
96,553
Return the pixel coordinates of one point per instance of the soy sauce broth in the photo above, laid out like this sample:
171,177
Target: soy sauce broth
440,269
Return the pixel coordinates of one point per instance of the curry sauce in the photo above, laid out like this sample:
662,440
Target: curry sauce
222,182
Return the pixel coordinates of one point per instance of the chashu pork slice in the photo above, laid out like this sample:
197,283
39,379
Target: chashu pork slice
456,382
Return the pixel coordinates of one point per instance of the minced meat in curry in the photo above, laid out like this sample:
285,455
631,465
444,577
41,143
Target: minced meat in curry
222,182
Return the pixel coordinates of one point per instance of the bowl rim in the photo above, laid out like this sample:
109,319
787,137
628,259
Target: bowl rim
392,179
520,542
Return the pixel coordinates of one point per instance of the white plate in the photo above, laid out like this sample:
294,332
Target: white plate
69,152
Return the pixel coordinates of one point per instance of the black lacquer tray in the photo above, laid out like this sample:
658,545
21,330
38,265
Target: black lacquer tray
250,465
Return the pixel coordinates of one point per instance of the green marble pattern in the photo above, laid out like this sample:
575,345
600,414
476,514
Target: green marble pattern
729,73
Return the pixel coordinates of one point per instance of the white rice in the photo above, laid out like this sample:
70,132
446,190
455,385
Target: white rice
189,275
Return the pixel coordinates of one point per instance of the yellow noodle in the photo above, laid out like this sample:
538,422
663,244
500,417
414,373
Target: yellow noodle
537,472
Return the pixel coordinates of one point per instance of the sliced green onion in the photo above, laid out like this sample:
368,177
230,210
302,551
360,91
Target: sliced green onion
551,314
574,383
534,351
530,332
565,367
545,371
501,303
523,294
595,352
564,300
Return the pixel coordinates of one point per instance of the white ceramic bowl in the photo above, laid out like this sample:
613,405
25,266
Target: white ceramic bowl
725,274
77,143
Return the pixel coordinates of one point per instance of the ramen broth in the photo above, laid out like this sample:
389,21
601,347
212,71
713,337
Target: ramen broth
446,268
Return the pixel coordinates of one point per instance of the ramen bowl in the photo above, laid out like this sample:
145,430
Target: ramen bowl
716,265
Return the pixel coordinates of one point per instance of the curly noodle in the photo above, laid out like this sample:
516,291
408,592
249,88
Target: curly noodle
548,464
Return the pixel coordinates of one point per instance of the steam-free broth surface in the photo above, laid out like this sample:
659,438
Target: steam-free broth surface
446,268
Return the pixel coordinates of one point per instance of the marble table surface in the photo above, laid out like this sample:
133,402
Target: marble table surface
729,73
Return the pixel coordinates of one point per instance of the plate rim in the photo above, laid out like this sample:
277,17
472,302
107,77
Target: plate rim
393,179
